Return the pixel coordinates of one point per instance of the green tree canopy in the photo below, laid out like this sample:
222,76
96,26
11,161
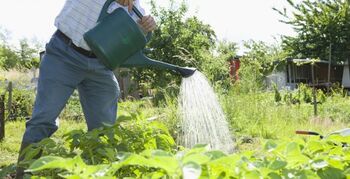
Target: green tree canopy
177,40
22,58
319,24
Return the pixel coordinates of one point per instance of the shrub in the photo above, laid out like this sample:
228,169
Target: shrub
73,110
22,104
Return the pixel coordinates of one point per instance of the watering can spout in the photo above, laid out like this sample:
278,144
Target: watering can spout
140,60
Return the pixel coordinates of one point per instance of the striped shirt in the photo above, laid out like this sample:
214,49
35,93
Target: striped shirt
79,16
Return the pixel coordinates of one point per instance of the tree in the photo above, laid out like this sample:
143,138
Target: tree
259,61
8,57
177,40
216,64
23,58
318,24
29,55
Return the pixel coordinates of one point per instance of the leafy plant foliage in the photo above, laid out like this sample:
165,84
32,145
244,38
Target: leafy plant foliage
23,58
318,24
313,158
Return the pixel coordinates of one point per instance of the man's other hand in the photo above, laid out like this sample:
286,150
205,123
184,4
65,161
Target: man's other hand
128,3
147,23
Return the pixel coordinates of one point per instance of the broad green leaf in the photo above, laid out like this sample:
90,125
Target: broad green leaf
71,176
165,142
274,176
339,139
252,174
224,164
292,149
278,165
160,153
336,162
319,164
169,164
294,155
161,160
270,146
264,172
215,154
31,153
338,151
330,173
156,175
315,146
306,174
196,158
50,162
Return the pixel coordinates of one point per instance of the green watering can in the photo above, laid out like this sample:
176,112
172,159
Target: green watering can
118,41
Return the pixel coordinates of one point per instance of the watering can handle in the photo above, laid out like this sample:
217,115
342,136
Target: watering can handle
140,15
137,12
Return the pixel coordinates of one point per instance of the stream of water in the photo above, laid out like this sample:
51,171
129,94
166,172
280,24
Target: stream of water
202,118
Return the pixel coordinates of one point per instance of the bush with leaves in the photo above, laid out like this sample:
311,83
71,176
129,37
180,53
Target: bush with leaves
132,133
313,158
260,60
22,104
73,110
178,40
216,67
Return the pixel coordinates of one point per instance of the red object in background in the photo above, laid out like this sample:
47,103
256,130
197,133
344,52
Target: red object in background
235,64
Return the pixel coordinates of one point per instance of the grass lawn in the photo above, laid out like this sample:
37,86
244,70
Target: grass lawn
9,147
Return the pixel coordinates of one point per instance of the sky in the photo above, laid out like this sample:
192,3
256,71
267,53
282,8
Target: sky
233,20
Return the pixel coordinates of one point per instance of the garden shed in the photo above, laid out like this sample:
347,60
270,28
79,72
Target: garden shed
300,71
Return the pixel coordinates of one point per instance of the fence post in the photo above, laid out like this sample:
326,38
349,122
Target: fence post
2,117
314,88
9,101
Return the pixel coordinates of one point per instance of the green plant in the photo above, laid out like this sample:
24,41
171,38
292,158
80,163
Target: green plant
312,158
22,104
23,58
318,24
260,60
304,95
278,97
73,110
132,133
180,40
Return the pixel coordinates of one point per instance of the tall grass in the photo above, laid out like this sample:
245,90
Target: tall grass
256,114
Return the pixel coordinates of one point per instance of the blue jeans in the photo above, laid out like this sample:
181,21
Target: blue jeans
62,70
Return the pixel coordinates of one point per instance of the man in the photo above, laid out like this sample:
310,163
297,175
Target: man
68,64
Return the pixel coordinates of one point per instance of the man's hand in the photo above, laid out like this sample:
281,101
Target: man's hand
128,3
147,23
